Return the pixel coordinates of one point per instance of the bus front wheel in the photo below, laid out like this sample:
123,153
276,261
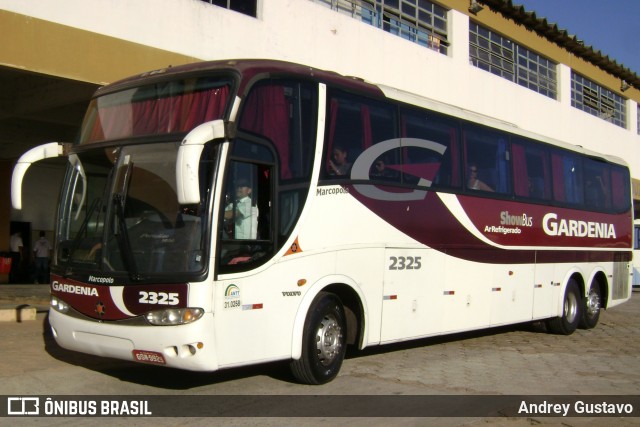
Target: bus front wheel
323,341
567,322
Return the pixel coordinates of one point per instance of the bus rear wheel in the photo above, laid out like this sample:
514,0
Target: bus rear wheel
591,309
567,322
323,341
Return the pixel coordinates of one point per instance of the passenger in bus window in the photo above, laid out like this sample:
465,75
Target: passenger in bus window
474,183
379,170
245,214
339,164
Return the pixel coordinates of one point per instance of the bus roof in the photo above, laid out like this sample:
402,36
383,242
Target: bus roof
249,69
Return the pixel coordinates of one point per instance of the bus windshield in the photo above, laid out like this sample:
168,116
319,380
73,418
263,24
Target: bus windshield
119,213
155,109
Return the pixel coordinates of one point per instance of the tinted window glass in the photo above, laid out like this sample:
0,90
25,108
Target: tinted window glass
487,161
284,112
354,124
437,159
597,184
531,170
567,177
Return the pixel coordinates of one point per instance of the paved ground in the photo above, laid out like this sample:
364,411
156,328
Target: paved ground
520,360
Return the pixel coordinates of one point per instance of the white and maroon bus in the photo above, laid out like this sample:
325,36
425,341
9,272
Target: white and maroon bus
237,212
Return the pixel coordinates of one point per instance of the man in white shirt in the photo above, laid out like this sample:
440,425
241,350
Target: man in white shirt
245,214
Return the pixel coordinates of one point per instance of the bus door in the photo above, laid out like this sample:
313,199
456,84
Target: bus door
245,242
413,281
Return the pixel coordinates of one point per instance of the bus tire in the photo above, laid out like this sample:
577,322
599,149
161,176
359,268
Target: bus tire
591,308
567,322
323,341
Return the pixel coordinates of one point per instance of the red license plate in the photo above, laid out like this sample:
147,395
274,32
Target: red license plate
152,357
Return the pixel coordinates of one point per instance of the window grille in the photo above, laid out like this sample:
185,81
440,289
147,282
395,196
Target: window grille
588,96
419,21
246,7
505,58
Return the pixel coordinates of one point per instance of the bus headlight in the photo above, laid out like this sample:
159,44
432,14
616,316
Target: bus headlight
174,316
59,305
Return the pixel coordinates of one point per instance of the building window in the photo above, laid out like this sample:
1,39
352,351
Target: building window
507,59
597,100
419,21
246,7
638,120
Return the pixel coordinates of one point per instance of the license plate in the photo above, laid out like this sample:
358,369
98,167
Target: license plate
152,357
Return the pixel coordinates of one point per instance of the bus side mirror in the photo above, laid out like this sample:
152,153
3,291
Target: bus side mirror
41,152
188,161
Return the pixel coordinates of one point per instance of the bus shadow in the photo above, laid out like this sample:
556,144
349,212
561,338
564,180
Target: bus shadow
532,327
176,379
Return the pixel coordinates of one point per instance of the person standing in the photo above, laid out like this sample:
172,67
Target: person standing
42,252
16,247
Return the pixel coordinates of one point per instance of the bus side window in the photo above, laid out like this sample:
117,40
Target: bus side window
597,184
620,188
440,168
284,113
246,219
354,124
567,177
531,170
266,113
487,151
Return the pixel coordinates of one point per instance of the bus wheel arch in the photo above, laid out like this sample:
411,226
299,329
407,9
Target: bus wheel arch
594,301
323,341
354,312
328,320
572,306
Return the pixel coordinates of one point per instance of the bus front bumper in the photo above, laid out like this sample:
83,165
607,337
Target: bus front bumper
189,347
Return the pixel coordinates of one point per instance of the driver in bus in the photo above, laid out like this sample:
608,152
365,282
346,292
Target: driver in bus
245,214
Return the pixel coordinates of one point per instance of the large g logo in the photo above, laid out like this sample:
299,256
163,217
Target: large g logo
362,165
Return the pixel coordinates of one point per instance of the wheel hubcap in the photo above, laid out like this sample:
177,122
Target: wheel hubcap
570,308
328,339
593,303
